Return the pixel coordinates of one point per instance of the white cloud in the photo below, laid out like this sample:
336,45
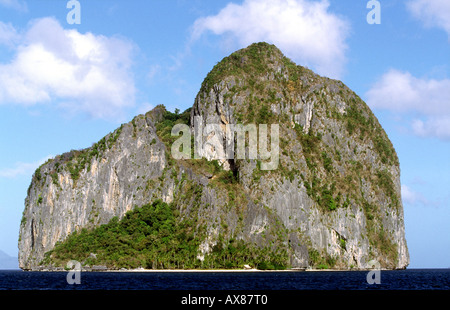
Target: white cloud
408,195
432,127
433,13
15,4
412,197
22,169
78,72
304,30
427,99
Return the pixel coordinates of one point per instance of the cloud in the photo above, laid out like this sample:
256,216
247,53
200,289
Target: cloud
433,127
428,100
76,72
144,108
411,197
22,169
304,30
15,4
153,71
433,13
8,34
408,196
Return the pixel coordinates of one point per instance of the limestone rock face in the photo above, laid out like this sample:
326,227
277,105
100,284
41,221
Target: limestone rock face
331,199
60,202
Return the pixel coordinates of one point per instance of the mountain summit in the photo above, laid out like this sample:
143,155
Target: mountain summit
274,167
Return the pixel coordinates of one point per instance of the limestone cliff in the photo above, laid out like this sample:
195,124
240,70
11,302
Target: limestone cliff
331,197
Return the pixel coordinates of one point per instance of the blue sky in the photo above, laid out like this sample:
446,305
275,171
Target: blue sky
64,86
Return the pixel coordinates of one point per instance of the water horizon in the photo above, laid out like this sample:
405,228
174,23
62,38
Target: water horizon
407,279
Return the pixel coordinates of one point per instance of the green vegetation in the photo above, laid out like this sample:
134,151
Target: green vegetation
148,237
310,143
54,176
377,236
327,163
37,174
326,198
360,118
169,119
202,166
249,61
385,182
236,253
385,149
316,187
343,243
319,261
153,237
264,115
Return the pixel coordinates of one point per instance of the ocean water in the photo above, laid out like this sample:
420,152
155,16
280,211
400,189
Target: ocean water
410,279
270,290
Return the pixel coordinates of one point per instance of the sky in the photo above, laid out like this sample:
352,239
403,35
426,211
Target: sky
68,77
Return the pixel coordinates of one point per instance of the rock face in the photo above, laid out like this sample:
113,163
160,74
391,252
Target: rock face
331,197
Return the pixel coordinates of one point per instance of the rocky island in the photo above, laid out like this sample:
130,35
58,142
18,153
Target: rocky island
327,197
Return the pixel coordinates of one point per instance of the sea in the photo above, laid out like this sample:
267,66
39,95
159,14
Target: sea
243,288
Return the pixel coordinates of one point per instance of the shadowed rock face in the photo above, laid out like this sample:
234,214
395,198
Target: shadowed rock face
333,199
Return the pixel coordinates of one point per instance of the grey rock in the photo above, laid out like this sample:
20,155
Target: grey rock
275,207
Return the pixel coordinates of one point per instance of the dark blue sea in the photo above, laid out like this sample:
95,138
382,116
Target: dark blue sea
410,279
186,286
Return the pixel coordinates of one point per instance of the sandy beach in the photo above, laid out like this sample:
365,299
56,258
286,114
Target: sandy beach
202,270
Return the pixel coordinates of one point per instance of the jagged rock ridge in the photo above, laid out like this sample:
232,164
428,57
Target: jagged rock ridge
333,200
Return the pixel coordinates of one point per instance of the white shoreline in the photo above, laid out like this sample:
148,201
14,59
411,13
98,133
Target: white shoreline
137,270
197,270
236,270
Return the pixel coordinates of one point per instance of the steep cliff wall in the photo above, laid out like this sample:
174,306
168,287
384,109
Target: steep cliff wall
330,198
